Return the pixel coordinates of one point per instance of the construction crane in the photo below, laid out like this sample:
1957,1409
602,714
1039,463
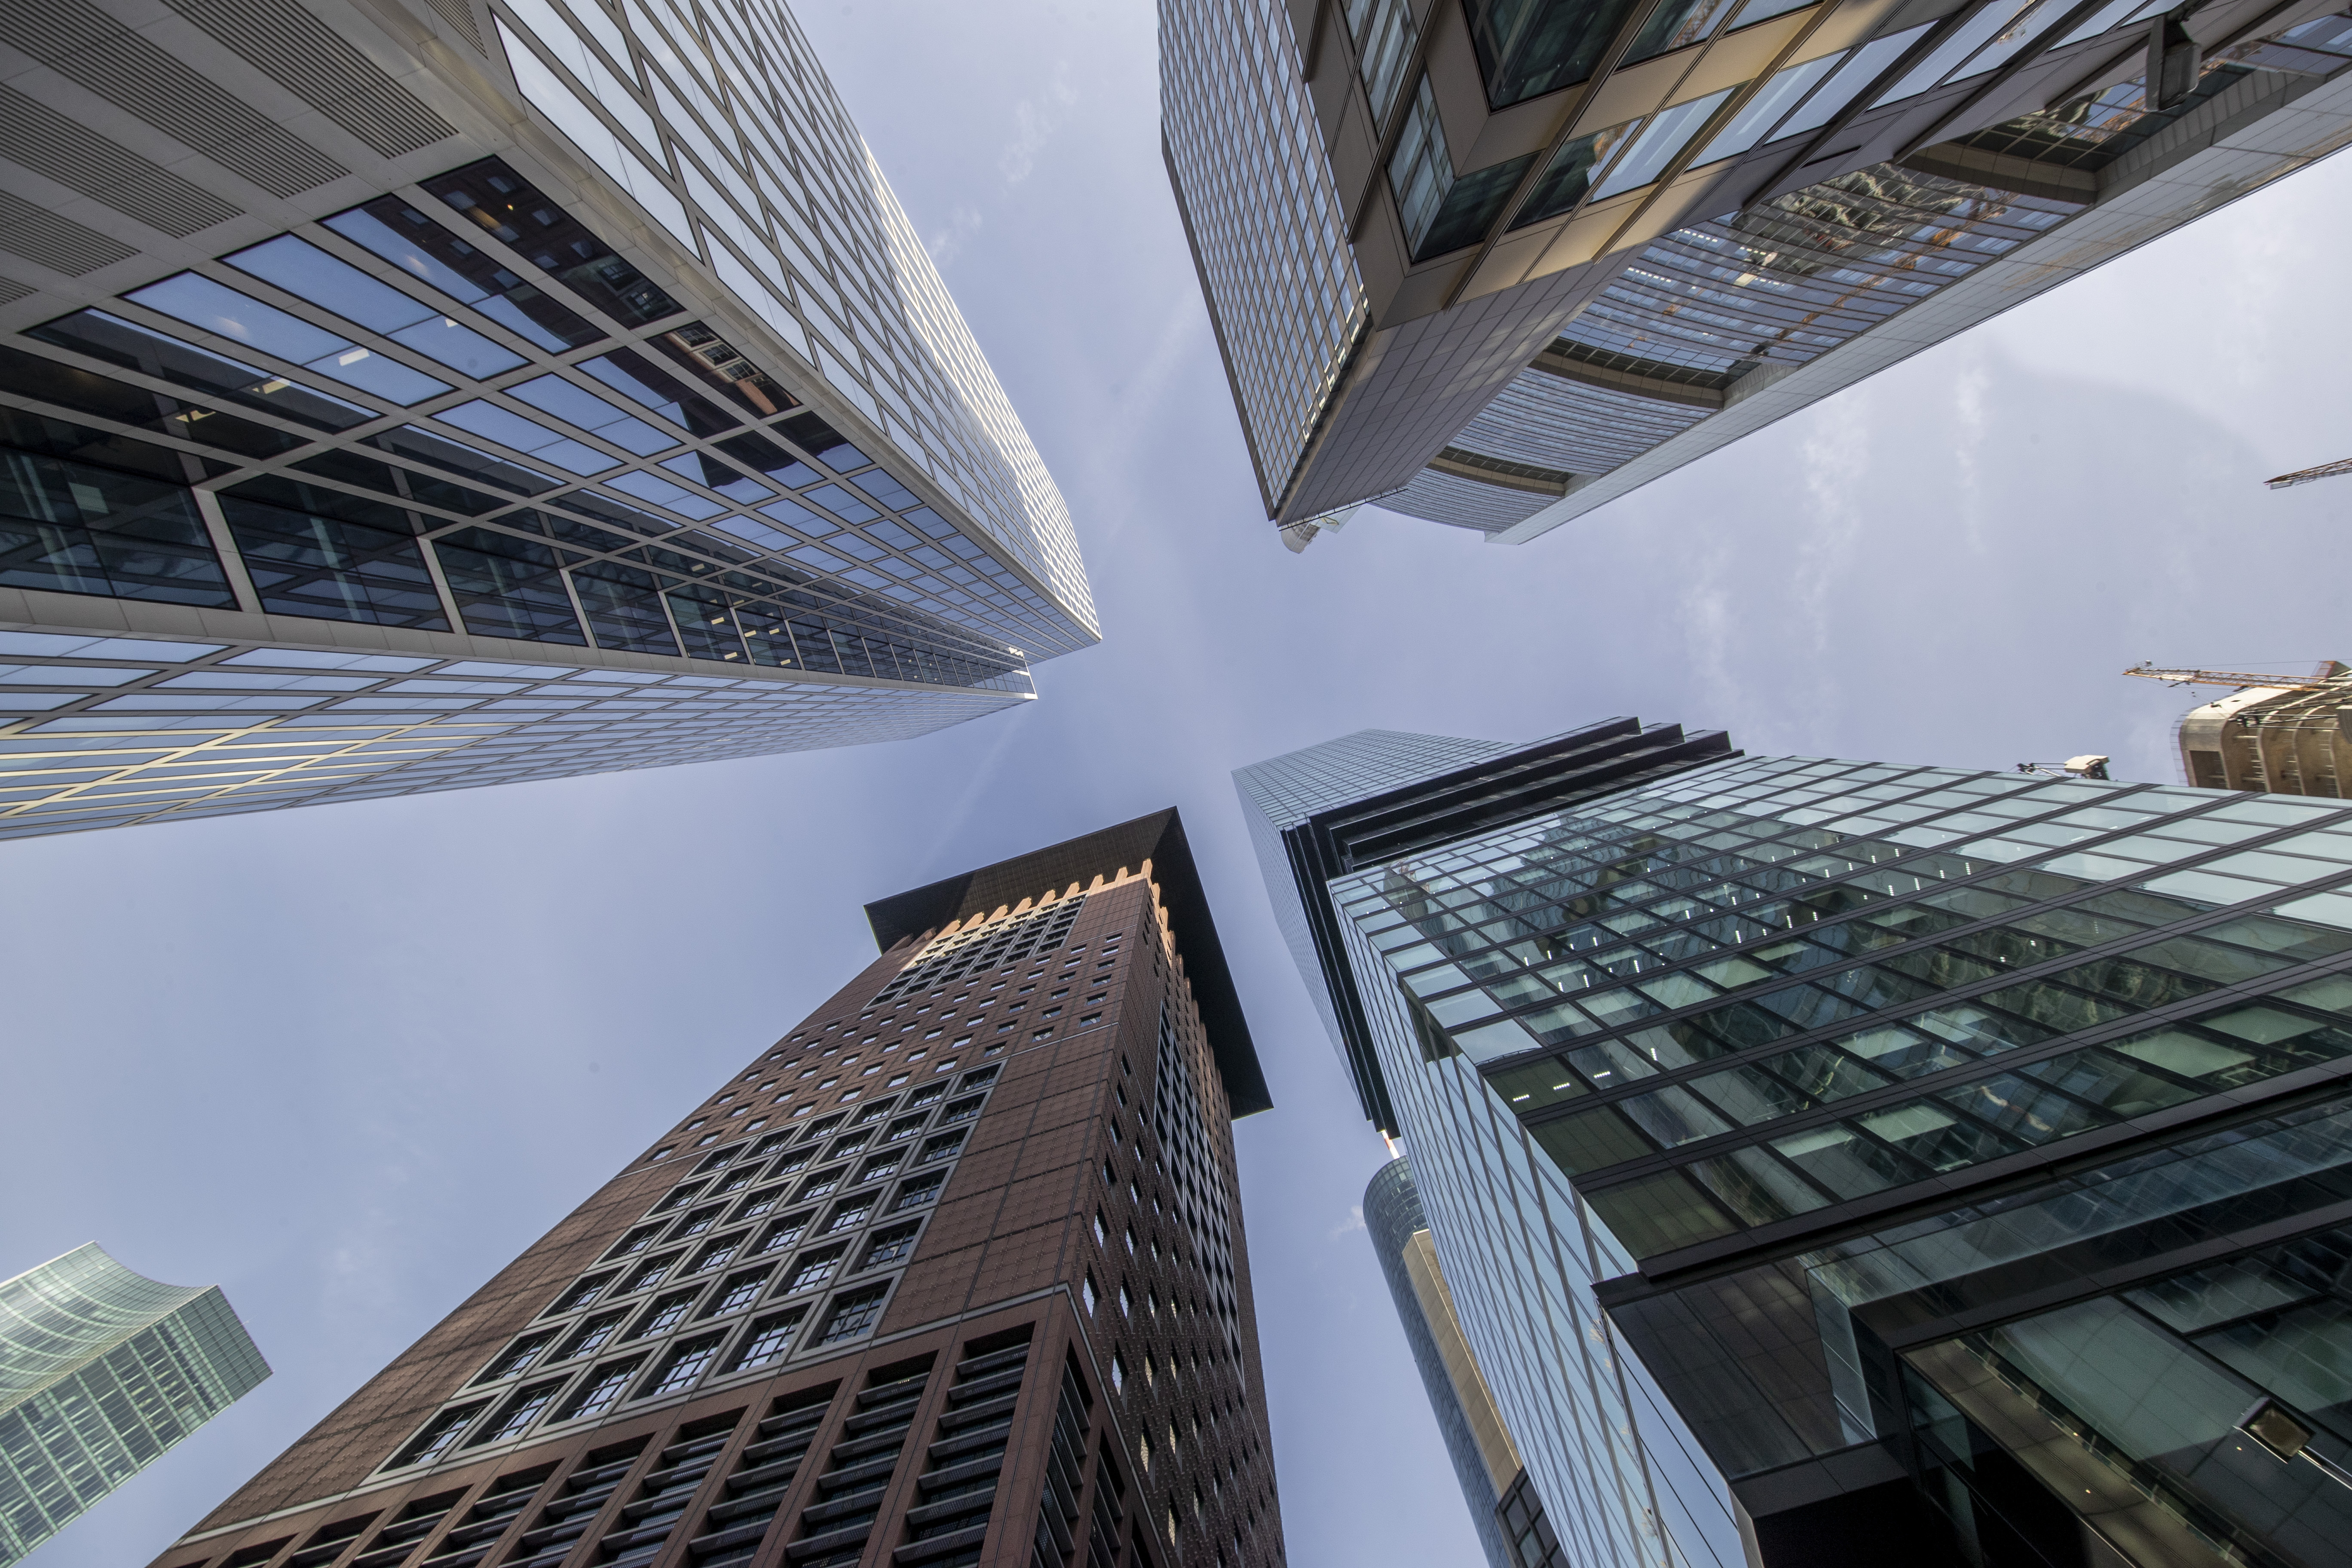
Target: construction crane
2327,668
2305,476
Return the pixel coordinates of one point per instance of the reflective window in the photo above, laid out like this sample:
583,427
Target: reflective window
198,301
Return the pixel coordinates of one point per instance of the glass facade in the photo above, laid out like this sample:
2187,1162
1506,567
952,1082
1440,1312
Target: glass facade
476,427
1695,1072
1268,235
1661,240
102,1370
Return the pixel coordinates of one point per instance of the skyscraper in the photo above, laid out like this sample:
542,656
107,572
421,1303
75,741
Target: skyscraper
1823,1154
102,1370
410,396
1497,263
954,1274
1485,1461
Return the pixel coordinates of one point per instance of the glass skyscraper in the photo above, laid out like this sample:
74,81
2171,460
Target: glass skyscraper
102,1370
1828,1153
1497,262
419,397
951,1275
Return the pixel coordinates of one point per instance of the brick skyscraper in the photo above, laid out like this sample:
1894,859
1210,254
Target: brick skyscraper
952,1275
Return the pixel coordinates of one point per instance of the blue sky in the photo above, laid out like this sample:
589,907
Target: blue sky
348,1061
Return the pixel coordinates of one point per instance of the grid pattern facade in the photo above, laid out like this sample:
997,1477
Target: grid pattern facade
1619,1477
951,1275
1460,503
1573,426
1684,1029
102,1370
159,730
1264,218
1776,279
1992,952
1809,270
466,418
1282,792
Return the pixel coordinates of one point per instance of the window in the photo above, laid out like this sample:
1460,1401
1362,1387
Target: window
1126,1303
580,1295
760,1203
853,1313
821,1183
942,1147
814,1269
440,1435
918,1192
781,1234
1087,1294
879,1166
663,1315
592,1336
1102,1232
770,1338
698,1221
738,1292
520,1411
960,1110
979,1077
851,1214
651,1273
687,1362
1117,1373
718,1253
889,1246
515,1357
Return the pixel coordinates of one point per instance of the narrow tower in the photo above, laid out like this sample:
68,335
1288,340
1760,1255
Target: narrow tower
102,1370
951,1275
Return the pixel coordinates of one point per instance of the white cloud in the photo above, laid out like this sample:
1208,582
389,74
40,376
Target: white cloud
1036,123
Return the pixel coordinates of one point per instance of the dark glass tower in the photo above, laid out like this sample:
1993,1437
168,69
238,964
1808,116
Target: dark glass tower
952,1275
1824,1153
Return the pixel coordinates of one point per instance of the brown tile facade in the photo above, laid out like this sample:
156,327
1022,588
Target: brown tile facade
1061,1370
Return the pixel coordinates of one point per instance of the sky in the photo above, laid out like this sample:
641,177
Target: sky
347,1061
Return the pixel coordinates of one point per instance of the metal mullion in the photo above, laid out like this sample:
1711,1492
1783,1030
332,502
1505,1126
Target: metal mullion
1408,85
1627,32
482,239
181,444
1878,86
173,327
1929,1085
1971,989
1729,108
261,290
359,258
2256,988
2030,55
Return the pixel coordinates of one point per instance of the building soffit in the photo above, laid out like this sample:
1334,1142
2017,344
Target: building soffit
1154,843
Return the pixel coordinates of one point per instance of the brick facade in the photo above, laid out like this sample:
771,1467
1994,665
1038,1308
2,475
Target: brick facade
1081,1274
